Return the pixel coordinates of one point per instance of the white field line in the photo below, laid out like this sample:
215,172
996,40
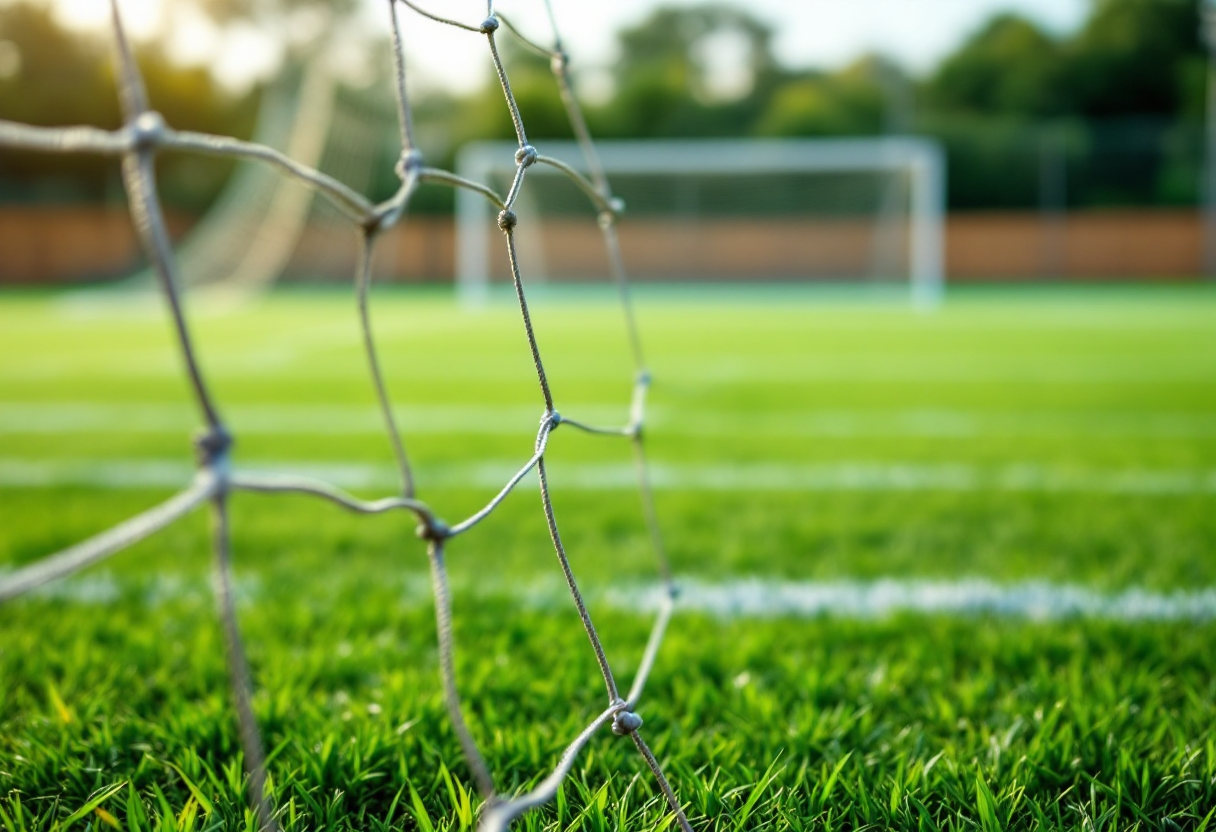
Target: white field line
746,597
1033,600
751,477
338,420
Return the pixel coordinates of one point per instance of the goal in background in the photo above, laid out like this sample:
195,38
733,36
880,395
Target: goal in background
844,211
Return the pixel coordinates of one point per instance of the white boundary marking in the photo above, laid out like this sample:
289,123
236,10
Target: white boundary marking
1032,600
760,598
843,475
339,420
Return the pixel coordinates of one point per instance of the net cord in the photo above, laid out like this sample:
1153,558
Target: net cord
142,136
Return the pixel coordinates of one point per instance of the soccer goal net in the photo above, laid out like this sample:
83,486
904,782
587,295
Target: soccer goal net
143,136
833,211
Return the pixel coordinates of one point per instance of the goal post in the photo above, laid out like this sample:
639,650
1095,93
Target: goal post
747,210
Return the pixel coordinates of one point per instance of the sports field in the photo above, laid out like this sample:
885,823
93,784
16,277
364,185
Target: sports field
941,571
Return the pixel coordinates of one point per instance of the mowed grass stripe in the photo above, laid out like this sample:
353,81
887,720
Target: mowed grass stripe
927,369
927,450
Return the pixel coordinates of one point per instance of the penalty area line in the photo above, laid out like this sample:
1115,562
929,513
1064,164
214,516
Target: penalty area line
886,597
817,477
740,598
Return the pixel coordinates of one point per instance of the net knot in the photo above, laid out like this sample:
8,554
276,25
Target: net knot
559,62
551,419
488,26
525,156
147,130
376,220
507,219
625,722
410,161
644,378
211,446
433,529
615,207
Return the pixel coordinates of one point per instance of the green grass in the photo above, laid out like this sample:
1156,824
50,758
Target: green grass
113,693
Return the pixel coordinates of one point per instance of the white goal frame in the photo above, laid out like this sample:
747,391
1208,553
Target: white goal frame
922,159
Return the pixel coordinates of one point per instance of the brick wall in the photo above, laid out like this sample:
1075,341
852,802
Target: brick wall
49,245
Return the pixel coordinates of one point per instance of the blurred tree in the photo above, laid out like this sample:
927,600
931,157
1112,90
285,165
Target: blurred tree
55,73
1010,66
678,46
1132,57
851,101
61,77
682,71
698,70
1136,57
53,77
1127,89
706,71
486,116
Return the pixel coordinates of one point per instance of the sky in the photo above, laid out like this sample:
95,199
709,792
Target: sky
819,33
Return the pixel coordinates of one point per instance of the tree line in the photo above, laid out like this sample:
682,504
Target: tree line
1108,115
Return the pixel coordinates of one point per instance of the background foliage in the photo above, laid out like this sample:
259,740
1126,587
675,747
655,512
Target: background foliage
1117,105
